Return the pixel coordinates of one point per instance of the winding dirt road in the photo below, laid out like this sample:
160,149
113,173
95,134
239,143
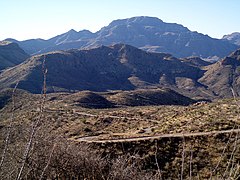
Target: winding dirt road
99,139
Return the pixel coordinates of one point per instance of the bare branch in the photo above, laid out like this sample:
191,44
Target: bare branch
156,160
49,159
183,156
35,124
9,128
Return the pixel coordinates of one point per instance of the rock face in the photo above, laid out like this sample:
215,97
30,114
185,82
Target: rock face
11,54
147,33
234,38
223,77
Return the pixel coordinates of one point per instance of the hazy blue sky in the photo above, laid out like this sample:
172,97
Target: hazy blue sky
25,19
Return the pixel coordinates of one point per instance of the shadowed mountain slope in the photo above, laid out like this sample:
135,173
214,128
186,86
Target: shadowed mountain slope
88,99
124,67
224,76
146,97
11,54
118,67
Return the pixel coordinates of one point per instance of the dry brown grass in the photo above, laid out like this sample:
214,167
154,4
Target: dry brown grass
52,155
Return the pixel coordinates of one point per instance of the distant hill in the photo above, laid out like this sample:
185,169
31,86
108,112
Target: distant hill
11,54
96,100
147,97
196,61
233,38
147,33
139,97
118,67
124,67
224,76
21,98
88,99
61,42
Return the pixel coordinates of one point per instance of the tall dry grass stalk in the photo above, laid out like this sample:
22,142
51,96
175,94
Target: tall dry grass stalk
190,163
183,157
9,130
159,173
48,162
232,167
35,124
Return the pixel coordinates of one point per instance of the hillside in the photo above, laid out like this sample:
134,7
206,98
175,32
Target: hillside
147,97
11,54
224,76
174,136
118,67
124,67
195,61
114,99
147,33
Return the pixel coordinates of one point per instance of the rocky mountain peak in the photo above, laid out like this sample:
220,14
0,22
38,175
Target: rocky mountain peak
233,38
8,44
3,43
143,20
71,31
151,24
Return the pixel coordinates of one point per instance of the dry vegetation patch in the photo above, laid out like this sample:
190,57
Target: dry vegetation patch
56,151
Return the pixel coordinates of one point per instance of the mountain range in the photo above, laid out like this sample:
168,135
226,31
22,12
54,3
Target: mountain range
98,69
99,62
147,33
124,67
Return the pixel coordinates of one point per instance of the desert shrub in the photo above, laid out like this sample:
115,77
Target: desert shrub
54,157
68,161
128,167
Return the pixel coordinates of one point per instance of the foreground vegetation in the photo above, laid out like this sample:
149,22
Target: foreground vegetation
57,122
